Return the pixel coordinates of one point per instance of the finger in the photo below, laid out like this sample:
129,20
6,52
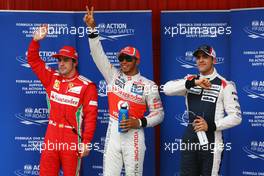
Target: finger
196,129
205,86
208,84
84,17
199,125
92,10
199,118
87,10
124,122
197,121
123,126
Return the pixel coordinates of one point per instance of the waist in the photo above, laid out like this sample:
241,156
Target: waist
59,125
114,117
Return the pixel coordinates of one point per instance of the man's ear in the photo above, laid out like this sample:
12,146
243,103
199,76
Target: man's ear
75,63
214,60
137,61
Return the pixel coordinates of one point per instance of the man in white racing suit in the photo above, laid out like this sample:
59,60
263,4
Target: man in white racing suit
208,97
125,86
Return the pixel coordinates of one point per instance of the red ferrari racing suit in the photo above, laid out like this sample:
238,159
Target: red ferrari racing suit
72,106
139,93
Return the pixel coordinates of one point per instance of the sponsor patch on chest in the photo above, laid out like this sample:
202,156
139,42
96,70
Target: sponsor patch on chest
120,82
56,85
76,89
137,89
64,99
208,98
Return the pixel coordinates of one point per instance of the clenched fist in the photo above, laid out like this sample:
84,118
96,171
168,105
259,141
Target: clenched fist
203,83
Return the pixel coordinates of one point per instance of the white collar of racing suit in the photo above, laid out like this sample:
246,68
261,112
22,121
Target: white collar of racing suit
211,76
129,78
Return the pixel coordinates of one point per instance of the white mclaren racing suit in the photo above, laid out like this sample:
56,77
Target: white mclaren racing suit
139,93
211,104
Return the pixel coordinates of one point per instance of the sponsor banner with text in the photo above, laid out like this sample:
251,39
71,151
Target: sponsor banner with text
24,108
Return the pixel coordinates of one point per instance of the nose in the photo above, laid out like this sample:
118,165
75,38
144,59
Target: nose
200,59
60,64
123,61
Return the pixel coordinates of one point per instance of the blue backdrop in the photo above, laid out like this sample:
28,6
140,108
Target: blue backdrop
247,71
24,109
239,58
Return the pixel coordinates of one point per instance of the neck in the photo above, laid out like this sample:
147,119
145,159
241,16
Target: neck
209,72
70,74
132,73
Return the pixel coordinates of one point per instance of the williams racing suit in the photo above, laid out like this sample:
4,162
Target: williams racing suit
211,104
138,92
72,106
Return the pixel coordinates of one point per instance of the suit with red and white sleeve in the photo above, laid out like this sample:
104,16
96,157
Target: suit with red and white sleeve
73,112
140,94
212,104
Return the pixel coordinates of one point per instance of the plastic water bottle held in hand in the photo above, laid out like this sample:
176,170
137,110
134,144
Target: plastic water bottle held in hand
123,115
202,137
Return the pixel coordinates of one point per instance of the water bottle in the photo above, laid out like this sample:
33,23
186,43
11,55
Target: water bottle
123,115
202,137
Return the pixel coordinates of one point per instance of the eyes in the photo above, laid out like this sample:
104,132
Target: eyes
64,59
202,56
121,58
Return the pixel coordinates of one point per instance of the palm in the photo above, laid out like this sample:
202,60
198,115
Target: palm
41,33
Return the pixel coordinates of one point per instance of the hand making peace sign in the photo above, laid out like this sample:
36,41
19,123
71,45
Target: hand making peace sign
89,18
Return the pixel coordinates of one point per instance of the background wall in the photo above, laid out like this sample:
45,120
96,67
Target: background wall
155,5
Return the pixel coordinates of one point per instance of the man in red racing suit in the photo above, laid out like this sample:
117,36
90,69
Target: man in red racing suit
72,103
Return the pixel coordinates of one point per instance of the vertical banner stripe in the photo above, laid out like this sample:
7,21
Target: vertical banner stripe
247,71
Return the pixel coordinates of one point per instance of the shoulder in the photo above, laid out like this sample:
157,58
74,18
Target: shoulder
147,81
226,83
190,76
84,80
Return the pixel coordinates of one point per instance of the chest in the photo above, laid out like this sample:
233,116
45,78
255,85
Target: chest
65,92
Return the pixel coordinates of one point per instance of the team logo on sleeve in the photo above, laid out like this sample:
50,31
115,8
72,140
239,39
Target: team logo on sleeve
56,85
157,103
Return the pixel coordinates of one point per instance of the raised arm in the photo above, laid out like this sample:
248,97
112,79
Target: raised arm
97,52
39,67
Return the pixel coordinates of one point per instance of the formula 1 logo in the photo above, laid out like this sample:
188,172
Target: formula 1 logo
113,31
30,169
256,90
45,56
255,150
33,116
183,118
255,31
